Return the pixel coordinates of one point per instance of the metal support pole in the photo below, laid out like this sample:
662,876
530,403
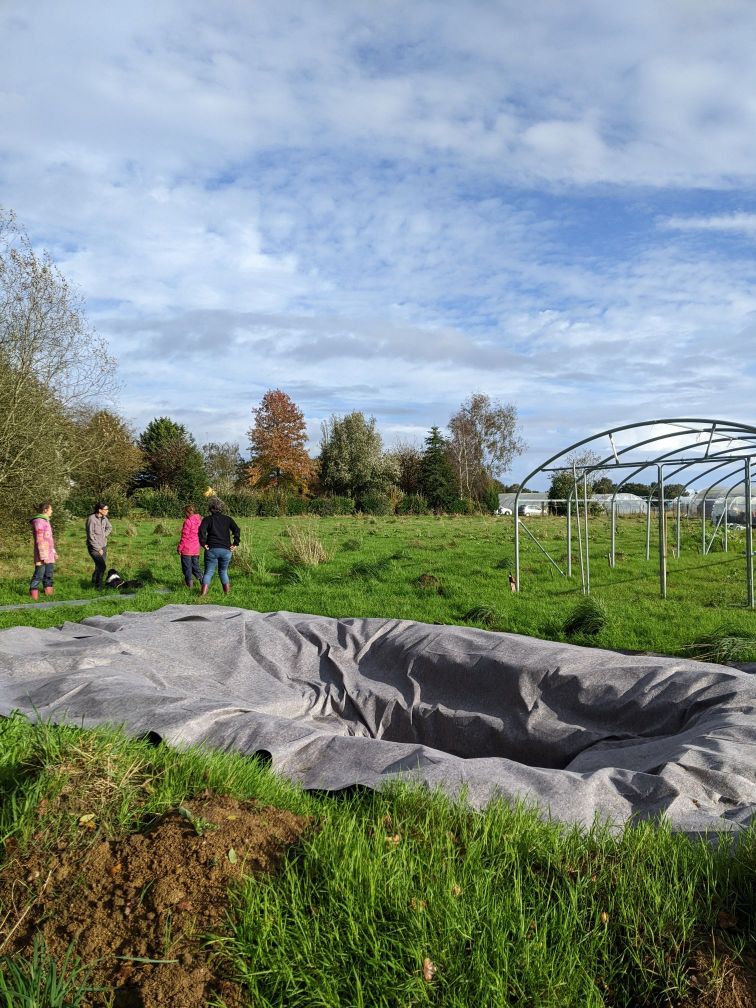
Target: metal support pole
587,559
516,545
749,533
677,530
703,524
662,535
613,520
648,528
580,533
569,534
727,508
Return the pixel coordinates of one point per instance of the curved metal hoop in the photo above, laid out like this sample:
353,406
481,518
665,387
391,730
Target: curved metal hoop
691,444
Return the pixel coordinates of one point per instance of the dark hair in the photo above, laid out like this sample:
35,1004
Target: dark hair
189,510
215,506
98,507
43,506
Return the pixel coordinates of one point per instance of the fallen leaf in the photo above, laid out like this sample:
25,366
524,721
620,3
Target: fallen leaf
429,969
232,855
393,839
456,890
87,818
604,917
115,869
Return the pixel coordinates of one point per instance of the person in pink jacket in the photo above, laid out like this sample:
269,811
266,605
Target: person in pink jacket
189,547
44,551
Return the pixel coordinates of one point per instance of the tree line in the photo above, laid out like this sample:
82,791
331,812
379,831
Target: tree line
58,441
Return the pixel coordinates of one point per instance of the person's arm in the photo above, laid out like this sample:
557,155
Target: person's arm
203,532
236,531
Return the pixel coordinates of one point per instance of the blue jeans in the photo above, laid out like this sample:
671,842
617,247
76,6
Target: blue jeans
220,558
43,574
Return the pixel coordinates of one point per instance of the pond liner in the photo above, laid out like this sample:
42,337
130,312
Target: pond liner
582,733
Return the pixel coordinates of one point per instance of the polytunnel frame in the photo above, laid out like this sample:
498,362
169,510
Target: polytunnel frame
717,431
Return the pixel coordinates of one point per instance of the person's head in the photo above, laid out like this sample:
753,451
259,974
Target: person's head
100,509
45,508
215,506
189,510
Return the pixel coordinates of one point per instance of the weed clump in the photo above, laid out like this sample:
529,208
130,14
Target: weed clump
587,619
485,616
725,644
161,530
370,568
303,548
350,545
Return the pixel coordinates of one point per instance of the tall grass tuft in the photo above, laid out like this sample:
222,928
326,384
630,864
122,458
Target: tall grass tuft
303,548
484,615
587,619
725,644
39,982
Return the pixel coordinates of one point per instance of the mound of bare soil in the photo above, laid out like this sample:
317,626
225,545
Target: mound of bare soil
139,907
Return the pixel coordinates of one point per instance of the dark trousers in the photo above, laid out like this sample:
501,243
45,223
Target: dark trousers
190,567
43,574
101,563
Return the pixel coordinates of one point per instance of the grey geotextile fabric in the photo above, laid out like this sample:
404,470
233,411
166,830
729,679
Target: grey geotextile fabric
336,702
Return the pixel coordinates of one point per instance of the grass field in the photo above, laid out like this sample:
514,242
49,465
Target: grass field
436,570
397,898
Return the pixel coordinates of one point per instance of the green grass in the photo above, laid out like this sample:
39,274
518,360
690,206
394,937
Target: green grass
511,910
382,567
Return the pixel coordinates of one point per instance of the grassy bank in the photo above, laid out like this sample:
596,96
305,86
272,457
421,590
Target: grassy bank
397,898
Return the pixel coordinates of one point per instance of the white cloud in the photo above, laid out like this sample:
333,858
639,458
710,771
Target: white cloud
389,206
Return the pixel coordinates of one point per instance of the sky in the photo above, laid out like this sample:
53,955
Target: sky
387,206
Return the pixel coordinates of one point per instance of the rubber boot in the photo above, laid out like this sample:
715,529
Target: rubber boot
49,590
226,588
205,589
34,592
189,583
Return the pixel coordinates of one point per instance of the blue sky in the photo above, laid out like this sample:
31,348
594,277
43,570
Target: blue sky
388,206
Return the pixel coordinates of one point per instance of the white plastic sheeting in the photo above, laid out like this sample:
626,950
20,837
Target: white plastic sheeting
582,733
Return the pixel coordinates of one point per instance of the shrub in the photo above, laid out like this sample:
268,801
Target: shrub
162,504
303,548
328,506
588,618
242,505
81,504
375,503
268,506
461,506
412,504
294,504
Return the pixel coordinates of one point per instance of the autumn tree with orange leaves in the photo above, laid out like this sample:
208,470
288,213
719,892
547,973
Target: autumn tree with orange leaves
277,440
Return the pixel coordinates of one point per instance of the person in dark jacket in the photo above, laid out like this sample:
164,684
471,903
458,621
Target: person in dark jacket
219,535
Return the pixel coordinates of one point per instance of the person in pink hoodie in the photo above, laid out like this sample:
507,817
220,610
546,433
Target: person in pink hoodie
44,551
189,547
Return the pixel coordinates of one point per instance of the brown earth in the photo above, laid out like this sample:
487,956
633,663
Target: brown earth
139,907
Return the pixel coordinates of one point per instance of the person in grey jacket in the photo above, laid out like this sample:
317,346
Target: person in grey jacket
98,531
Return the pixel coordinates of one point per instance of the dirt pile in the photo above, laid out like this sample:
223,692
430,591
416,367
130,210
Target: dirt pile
139,907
